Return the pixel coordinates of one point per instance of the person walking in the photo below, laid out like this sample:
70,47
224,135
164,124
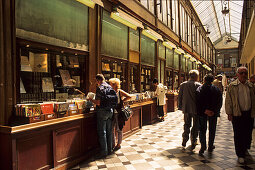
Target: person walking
187,103
218,82
240,108
105,99
118,121
160,93
209,102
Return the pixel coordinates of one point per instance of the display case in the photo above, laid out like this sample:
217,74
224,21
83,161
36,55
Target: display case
134,78
147,76
169,79
112,68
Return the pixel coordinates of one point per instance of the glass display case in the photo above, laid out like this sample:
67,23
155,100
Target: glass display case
169,79
114,69
134,82
50,76
146,78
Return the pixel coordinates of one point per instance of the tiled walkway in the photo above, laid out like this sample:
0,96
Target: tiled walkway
157,146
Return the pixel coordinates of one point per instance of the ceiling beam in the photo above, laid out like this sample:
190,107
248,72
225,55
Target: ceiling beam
216,17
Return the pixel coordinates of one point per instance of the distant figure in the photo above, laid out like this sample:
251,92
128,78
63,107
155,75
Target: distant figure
252,79
218,82
187,103
160,93
240,108
209,102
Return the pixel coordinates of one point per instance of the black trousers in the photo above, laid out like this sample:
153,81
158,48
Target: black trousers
242,126
202,130
160,110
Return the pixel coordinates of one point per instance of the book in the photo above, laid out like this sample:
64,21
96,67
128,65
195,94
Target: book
47,84
74,62
25,65
47,108
77,79
22,88
66,79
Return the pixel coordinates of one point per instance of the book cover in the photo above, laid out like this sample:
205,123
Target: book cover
77,79
38,62
66,79
47,84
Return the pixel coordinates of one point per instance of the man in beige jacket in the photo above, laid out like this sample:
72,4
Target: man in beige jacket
240,108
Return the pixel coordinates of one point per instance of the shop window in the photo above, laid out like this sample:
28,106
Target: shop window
169,79
55,22
134,81
162,52
176,81
169,57
176,61
114,37
147,51
161,71
134,46
183,63
50,76
147,78
114,69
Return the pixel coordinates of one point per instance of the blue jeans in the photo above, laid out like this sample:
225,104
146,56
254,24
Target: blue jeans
104,130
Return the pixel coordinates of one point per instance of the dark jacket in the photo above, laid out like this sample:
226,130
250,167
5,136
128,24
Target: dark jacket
208,97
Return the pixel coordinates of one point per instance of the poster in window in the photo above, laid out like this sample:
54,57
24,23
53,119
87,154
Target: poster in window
25,65
115,67
38,62
47,84
66,79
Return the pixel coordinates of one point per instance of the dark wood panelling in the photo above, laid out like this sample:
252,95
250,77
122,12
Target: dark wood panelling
35,152
67,144
172,104
136,119
154,114
6,152
146,114
127,127
90,134
7,60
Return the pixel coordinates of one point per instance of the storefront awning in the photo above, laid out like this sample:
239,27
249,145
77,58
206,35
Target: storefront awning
248,51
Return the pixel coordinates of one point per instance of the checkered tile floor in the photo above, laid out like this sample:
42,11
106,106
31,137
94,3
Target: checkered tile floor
158,146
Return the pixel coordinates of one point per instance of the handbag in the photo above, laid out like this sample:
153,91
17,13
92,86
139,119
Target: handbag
125,111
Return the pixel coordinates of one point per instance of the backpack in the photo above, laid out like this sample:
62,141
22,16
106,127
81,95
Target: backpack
109,97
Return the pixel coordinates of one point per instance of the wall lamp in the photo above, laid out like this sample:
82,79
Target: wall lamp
125,19
151,34
88,3
180,51
169,45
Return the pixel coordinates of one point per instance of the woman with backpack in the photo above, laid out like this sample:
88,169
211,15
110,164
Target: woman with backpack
118,121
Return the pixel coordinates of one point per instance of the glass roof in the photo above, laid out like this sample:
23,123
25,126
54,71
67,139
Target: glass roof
218,24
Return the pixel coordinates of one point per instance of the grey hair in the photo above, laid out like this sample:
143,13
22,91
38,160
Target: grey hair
193,73
242,67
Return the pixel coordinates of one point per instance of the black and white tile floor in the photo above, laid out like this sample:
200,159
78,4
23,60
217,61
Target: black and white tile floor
158,146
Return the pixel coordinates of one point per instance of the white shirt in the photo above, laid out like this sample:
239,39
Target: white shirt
244,97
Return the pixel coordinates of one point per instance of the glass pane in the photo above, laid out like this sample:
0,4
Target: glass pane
50,76
159,78
151,6
183,64
162,74
147,51
134,40
176,61
114,37
164,11
169,57
46,21
176,81
169,79
161,51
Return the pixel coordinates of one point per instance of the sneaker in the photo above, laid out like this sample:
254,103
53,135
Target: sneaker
241,160
211,148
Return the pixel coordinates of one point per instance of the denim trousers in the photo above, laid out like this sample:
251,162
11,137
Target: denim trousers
104,130
202,130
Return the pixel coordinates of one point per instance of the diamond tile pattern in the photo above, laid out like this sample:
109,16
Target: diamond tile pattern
158,146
